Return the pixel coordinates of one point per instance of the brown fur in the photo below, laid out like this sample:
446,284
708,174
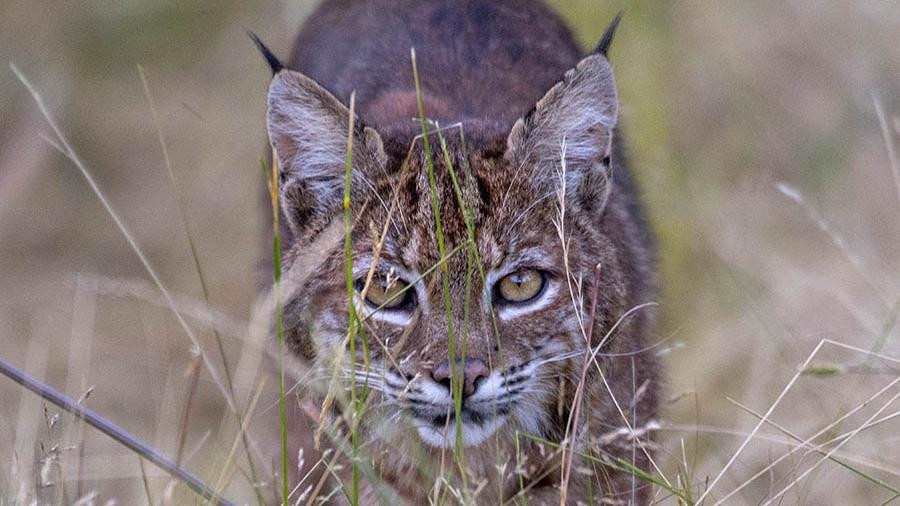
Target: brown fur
509,72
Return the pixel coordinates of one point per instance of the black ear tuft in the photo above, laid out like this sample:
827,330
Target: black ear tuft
606,40
267,53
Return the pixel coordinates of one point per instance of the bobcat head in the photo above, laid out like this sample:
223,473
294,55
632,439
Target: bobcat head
543,206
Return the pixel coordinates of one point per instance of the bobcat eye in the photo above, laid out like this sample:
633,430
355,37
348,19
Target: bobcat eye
521,286
386,293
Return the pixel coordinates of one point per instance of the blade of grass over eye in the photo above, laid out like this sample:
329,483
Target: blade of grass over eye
455,384
185,223
470,228
354,322
362,294
470,232
473,250
456,249
279,325
472,257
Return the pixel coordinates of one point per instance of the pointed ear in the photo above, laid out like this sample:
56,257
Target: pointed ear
308,128
576,116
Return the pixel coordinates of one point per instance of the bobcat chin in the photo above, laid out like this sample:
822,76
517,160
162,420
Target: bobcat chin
530,166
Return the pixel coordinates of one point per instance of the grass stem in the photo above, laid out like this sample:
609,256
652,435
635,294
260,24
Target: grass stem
455,383
353,320
112,430
185,223
279,326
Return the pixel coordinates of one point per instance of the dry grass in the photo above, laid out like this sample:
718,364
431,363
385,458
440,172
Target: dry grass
770,172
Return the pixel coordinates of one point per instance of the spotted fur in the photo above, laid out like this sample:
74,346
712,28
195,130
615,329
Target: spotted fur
529,126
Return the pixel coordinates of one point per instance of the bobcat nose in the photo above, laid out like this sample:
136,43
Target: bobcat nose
472,370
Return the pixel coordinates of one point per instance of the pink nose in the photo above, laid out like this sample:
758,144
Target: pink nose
471,369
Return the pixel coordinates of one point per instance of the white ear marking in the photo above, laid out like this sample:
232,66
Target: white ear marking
581,110
308,129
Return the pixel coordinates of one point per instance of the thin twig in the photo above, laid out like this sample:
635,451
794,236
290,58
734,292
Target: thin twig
146,483
818,449
112,430
572,425
193,372
762,420
203,286
889,144
66,149
808,440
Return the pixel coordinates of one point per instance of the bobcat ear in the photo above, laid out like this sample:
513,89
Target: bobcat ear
308,128
274,63
608,34
577,117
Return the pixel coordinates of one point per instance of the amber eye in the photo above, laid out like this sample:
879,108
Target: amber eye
386,292
520,286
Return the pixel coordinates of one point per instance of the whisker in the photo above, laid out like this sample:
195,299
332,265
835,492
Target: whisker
576,353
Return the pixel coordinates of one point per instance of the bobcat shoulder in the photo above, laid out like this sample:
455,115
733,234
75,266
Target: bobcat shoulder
531,187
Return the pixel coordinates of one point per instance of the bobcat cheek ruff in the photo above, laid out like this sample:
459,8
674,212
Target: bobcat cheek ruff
522,190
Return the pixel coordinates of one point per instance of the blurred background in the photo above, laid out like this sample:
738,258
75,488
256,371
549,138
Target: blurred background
754,132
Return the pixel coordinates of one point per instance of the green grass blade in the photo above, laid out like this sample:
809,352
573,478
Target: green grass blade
455,383
279,330
354,322
620,464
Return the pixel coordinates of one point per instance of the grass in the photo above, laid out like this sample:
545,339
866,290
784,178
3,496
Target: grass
185,223
455,382
355,327
825,433
279,324
110,429
683,494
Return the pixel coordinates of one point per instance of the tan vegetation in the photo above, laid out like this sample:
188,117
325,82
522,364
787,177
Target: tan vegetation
764,138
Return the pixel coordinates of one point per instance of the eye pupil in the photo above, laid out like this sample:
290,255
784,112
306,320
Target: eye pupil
385,292
520,286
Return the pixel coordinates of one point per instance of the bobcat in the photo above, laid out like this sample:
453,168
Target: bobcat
529,182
